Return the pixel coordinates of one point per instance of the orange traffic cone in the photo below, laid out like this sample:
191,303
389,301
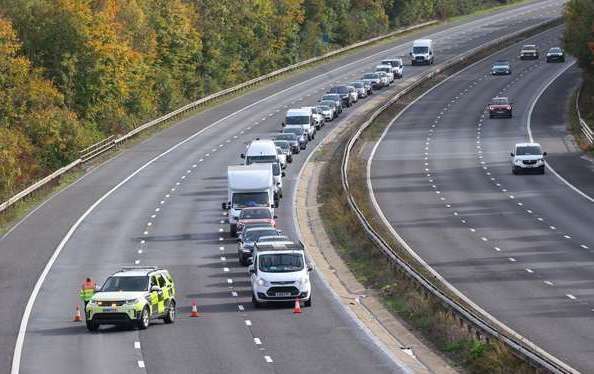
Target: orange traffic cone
77,317
194,310
297,308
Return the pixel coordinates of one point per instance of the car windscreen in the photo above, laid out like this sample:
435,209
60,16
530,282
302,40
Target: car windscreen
255,214
555,50
357,85
501,64
297,120
339,90
420,49
273,238
324,108
371,76
249,199
254,235
296,131
260,159
328,103
133,284
500,101
385,70
280,262
282,144
286,137
528,151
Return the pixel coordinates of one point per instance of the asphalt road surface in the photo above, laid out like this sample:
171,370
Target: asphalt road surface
520,246
159,203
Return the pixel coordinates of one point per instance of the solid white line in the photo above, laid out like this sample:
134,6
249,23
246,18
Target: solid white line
529,125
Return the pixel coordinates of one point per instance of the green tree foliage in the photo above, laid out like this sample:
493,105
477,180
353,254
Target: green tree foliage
74,71
579,32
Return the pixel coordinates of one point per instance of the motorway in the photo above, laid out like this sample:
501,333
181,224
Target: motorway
521,247
159,203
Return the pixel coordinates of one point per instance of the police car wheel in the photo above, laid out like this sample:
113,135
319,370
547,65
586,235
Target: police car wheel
144,320
170,316
92,326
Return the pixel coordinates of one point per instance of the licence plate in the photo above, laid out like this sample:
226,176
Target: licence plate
109,310
282,294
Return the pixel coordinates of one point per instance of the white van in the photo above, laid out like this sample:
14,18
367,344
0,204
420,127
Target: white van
248,186
260,151
422,52
301,118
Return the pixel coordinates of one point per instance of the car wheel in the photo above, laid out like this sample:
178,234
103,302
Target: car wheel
170,316
91,325
144,320
307,303
255,302
515,171
542,170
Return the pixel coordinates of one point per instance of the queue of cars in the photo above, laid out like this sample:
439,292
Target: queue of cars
277,265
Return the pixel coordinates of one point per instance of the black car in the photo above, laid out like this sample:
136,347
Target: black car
292,139
248,238
344,93
556,54
301,135
333,97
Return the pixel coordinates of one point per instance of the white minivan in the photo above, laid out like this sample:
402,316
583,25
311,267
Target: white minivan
301,118
422,52
263,151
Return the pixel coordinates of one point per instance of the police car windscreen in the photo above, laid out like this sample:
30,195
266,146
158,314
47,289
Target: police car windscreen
297,120
280,263
250,199
116,284
420,49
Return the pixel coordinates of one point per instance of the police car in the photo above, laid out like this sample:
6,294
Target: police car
133,296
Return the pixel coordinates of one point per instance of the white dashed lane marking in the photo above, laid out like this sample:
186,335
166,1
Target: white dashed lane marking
268,359
141,364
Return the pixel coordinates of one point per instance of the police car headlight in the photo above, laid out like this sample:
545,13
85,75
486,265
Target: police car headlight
131,301
263,282
92,302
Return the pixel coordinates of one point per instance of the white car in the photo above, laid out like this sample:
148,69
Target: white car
327,112
279,273
282,158
384,77
397,66
386,69
528,157
317,115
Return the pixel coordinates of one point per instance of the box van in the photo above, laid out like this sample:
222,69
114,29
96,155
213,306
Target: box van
422,52
301,118
260,151
248,186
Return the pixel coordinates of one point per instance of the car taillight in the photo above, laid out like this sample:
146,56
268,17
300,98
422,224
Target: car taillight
508,107
491,107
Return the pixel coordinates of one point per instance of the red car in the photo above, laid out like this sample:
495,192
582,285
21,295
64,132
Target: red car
500,107
250,216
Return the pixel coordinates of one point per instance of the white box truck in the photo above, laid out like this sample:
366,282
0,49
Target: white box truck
422,52
248,186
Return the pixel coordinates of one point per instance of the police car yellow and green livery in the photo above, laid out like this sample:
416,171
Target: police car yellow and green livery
133,296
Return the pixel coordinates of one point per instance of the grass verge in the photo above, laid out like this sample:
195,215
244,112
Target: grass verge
587,111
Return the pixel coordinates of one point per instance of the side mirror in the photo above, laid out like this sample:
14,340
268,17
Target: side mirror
544,153
224,206
512,154
155,289
283,174
410,53
310,267
283,124
250,261
275,217
278,184
243,155
97,288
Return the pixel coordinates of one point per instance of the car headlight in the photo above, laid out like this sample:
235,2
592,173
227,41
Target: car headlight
92,302
262,282
131,301
302,282
518,162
